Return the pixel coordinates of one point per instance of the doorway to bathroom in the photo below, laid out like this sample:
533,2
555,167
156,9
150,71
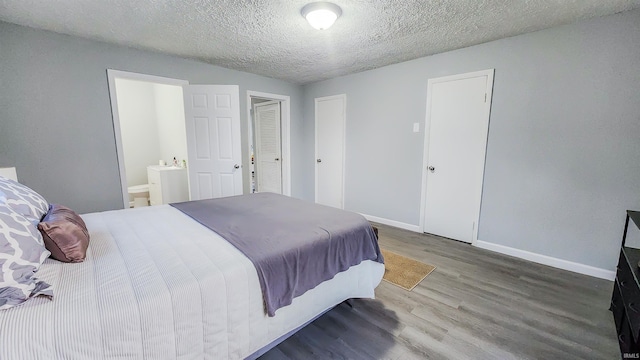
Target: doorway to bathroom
151,141
269,142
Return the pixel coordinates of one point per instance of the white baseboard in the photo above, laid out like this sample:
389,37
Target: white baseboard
522,254
548,260
398,224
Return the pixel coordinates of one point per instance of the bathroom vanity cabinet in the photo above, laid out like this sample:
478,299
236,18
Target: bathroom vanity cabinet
167,184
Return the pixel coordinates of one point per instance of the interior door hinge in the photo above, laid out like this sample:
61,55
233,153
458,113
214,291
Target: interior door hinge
485,97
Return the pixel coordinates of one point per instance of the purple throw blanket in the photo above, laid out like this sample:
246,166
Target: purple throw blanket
295,245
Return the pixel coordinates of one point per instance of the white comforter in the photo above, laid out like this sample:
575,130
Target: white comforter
158,285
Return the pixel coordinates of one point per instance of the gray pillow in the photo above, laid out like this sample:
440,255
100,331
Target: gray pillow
65,234
21,255
23,200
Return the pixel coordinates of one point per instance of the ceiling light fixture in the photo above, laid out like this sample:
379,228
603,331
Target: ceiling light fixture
321,15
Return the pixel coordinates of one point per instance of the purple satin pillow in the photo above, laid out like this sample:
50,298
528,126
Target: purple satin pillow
65,234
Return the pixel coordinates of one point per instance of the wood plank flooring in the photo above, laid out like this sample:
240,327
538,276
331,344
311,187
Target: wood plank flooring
477,304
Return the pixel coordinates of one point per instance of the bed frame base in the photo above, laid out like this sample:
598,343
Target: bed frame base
284,337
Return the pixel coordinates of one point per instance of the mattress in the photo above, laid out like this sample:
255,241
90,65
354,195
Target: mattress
158,285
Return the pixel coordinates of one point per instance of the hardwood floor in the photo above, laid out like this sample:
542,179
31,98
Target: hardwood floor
477,304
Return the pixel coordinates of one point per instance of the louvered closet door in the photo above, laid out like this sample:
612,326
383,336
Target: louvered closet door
212,115
268,147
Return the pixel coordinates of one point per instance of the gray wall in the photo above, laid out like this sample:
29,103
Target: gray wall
563,157
563,150
55,115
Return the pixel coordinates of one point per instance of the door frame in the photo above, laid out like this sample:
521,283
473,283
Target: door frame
111,79
285,135
425,159
255,138
344,143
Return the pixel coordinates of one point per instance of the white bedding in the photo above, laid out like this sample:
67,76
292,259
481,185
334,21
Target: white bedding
158,285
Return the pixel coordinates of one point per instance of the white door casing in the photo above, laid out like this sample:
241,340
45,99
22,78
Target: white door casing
112,75
285,133
268,152
212,114
330,120
457,125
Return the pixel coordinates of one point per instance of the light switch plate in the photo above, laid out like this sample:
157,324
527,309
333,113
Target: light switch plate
416,127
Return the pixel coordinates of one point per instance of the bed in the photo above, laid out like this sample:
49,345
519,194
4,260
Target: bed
156,284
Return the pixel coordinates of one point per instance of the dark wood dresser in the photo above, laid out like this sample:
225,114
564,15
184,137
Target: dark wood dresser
625,302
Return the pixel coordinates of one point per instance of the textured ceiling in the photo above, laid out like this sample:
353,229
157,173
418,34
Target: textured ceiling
271,38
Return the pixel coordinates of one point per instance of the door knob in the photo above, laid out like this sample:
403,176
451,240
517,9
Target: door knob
431,168
236,166
277,159
319,160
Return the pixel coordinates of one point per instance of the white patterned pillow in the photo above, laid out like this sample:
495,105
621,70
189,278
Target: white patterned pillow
21,255
23,200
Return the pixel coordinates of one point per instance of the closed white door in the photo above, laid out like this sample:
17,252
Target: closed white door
212,115
268,147
458,121
330,114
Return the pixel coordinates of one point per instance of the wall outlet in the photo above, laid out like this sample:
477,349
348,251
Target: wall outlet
416,127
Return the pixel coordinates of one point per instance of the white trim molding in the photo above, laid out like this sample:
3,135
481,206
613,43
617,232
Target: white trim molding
398,224
112,75
548,260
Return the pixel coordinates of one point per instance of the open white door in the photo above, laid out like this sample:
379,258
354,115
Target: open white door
212,115
268,147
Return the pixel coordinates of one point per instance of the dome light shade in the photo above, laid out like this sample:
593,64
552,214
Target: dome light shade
321,15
